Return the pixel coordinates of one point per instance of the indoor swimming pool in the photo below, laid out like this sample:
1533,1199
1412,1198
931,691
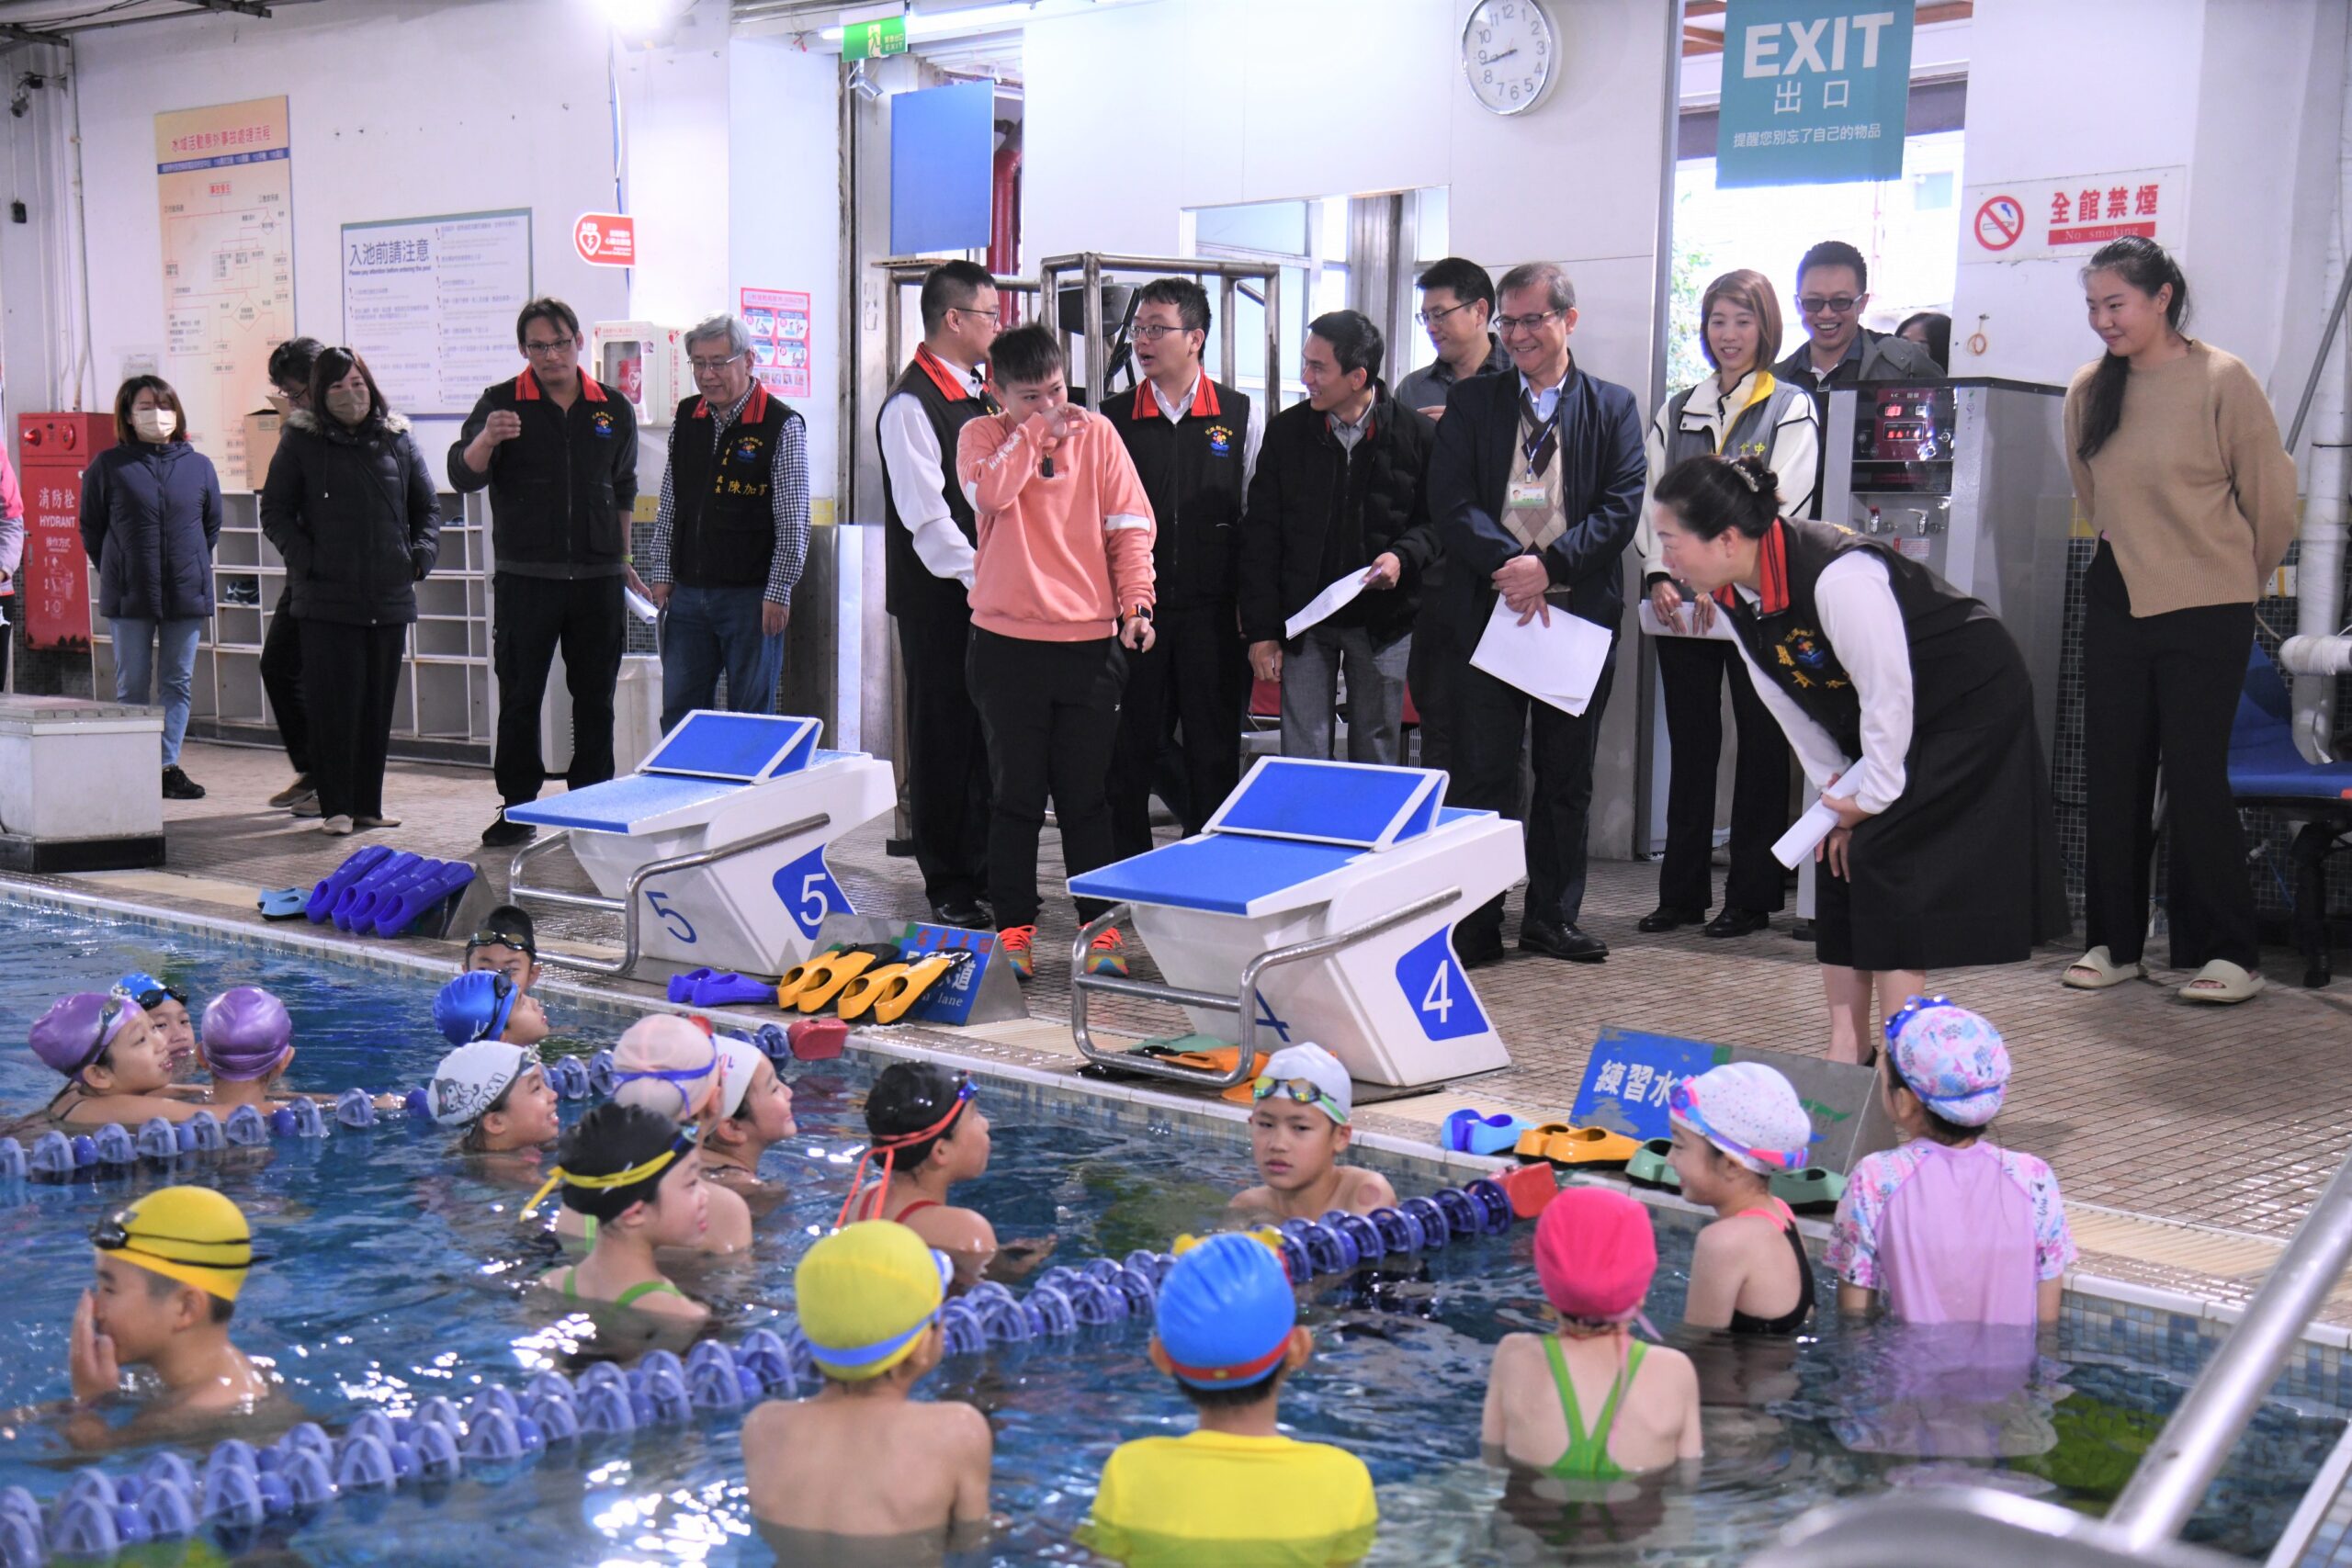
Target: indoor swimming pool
395,1277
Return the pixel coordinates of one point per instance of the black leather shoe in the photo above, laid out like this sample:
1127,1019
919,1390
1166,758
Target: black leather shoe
1560,942
970,917
1739,923
505,834
1802,931
1669,916
1478,949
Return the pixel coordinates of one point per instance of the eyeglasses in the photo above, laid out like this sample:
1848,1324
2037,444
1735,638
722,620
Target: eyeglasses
1305,1091
1512,324
967,311
1828,304
1432,317
712,365
1153,333
541,350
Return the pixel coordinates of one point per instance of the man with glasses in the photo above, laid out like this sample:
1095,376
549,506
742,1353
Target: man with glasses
1833,290
1193,441
728,542
927,566
1536,484
281,647
556,449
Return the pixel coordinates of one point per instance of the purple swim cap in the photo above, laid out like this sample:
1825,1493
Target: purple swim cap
77,1029
246,1033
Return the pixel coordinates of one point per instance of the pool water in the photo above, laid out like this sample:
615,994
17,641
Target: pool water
396,1276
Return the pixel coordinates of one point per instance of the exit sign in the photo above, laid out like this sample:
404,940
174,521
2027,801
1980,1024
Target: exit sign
870,41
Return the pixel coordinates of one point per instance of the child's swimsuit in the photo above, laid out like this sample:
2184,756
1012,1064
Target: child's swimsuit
629,1297
1791,1321
1587,1455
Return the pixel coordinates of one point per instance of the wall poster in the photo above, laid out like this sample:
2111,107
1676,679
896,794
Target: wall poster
430,304
778,319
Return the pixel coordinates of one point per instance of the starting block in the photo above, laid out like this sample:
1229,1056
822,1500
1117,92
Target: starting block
1319,904
713,851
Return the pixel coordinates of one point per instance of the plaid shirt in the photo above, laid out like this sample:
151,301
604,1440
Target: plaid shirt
787,491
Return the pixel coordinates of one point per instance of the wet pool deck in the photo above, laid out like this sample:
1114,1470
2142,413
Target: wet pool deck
2189,1141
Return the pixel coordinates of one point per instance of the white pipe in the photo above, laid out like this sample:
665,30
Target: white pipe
2320,657
2319,572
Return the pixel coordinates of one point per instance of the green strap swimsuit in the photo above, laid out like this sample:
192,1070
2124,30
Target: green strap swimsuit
629,1297
1587,1455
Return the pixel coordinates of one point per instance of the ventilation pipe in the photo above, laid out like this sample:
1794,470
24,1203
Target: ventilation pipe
2319,574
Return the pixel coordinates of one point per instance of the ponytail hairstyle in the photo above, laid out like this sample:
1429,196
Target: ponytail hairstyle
2148,267
1713,495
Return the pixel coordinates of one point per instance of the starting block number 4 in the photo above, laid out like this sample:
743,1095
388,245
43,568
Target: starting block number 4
1437,992
809,892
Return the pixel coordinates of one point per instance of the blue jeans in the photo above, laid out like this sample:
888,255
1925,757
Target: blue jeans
706,630
136,665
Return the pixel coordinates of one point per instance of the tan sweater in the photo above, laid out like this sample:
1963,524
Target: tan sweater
2193,492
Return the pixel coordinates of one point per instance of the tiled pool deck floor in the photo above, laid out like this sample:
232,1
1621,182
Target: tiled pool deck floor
2189,1140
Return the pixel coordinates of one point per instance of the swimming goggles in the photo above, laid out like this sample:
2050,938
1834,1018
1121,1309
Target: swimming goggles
889,1144
1682,1104
113,1014
680,1076
683,1143
154,996
881,1349
114,1234
501,939
1307,1091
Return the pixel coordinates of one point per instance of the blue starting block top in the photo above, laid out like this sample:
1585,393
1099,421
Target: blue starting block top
1358,805
747,748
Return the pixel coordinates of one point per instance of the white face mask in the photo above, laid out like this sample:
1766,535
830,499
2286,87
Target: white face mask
350,407
154,425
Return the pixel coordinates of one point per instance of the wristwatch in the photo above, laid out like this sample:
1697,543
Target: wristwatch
1140,613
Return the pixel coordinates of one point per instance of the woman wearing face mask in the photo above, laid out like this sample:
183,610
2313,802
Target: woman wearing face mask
150,514
349,504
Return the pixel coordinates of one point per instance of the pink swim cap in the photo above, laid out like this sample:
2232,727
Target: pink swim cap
1595,1253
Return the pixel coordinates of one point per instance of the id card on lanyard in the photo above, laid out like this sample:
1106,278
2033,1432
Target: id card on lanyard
1526,493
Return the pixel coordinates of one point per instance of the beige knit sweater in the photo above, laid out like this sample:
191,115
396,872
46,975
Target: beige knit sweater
2193,492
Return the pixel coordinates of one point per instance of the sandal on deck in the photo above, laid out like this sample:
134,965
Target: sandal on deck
2095,971
2225,984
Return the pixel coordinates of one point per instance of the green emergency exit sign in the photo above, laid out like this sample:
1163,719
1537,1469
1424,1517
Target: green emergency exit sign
870,41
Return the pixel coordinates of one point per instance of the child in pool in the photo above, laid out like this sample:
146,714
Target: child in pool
637,1177
1734,1126
1234,1489
506,944
754,1111
669,1067
482,1004
1595,1254
1298,1129
1945,1226
168,1270
166,1009
929,1135
113,1061
863,1460
248,1041
498,1098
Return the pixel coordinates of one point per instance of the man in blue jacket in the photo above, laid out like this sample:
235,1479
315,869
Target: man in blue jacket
1537,484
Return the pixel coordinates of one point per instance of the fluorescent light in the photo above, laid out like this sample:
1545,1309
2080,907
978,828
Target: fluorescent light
949,24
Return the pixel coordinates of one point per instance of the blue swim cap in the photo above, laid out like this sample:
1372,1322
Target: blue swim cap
146,991
1226,1312
473,1006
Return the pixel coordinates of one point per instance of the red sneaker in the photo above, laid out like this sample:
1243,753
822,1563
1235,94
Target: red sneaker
1013,944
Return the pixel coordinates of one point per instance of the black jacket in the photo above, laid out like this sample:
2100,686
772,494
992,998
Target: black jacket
1317,510
1600,491
356,516
560,493
151,515
1192,470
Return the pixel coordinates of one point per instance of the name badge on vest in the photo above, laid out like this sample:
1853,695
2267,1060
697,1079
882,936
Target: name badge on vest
1526,495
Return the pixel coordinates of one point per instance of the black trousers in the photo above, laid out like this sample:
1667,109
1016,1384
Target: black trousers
1431,672
584,616
1490,718
1051,711
1693,673
947,758
350,677
1192,686
282,677
2162,691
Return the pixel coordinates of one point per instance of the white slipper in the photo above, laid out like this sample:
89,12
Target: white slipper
2226,984
2107,972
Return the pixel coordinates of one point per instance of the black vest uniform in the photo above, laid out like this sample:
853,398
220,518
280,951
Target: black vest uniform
1193,472
723,511
1963,867
908,586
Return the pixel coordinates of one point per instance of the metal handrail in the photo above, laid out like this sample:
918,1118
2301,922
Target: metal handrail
1080,982
517,890
1967,1528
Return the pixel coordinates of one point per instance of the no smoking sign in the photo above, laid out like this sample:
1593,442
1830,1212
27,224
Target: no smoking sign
1999,222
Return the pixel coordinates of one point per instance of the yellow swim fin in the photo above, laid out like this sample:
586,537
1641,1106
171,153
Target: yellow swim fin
860,993
829,975
787,991
908,988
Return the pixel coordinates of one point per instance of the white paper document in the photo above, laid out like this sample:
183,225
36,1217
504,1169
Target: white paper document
1718,629
1809,830
1559,663
1325,605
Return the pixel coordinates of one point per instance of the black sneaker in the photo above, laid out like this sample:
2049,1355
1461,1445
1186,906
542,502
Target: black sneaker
177,785
505,834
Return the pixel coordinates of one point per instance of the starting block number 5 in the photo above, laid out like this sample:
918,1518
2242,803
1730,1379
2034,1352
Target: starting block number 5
1437,992
809,892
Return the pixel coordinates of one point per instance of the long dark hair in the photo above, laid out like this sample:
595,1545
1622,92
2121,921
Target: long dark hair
129,394
1711,494
331,367
2148,267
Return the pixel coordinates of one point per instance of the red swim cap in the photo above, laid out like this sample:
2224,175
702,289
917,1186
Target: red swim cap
1595,1253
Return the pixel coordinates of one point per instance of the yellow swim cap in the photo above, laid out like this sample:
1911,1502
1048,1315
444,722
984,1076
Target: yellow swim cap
866,1294
189,1233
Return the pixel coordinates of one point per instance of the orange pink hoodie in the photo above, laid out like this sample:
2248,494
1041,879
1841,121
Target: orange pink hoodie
1057,559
